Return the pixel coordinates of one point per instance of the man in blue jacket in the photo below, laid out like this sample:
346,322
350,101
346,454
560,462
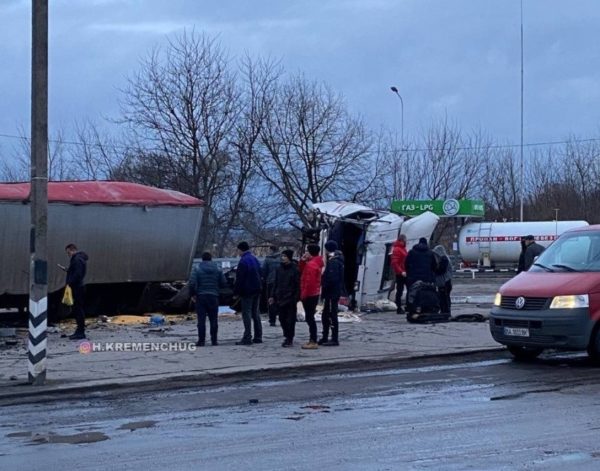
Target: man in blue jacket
247,286
205,282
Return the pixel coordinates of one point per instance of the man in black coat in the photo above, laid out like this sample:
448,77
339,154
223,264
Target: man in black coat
285,295
420,263
75,279
532,251
332,283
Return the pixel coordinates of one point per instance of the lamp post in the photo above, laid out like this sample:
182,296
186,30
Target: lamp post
395,90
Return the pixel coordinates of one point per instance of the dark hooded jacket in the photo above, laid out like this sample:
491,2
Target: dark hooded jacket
207,279
332,281
269,267
77,269
286,287
532,251
420,264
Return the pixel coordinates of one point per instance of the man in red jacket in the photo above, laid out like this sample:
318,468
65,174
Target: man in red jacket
311,266
398,265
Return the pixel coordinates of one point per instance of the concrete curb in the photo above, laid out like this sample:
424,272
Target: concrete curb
24,393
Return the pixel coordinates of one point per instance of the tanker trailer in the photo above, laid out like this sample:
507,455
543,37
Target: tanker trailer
136,237
491,243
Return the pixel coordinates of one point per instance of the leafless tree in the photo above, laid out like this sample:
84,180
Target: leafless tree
181,107
312,148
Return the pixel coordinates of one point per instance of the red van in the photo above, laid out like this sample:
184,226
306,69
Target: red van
556,303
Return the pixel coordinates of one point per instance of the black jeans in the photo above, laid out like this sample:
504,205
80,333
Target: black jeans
287,319
444,295
310,307
329,318
77,309
400,284
251,316
207,305
272,309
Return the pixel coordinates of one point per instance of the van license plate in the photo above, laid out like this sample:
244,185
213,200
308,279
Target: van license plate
516,332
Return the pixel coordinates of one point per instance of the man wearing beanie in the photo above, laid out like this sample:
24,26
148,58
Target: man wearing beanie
286,293
332,284
247,286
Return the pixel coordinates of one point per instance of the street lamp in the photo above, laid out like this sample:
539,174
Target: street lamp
395,90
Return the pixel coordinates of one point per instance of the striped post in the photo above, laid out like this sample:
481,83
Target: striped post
38,272
38,323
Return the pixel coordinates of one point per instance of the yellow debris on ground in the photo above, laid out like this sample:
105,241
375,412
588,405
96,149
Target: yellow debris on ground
129,320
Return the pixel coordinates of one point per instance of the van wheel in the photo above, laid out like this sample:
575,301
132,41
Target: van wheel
594,346
525,353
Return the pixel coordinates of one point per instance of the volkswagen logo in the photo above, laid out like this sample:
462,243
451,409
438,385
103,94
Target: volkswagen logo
520,302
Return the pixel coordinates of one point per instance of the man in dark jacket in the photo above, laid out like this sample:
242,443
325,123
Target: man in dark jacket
331,290
247,286
521,266
75,279
532,251
286,293
205,282
269,267
420,263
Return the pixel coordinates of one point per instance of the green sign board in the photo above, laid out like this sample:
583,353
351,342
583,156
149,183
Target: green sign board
443,208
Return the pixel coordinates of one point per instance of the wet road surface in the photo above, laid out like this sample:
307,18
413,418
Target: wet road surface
488,413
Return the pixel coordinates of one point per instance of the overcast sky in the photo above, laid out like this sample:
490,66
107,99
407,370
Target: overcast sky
459,58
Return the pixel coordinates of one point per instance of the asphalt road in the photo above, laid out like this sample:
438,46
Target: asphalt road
485,414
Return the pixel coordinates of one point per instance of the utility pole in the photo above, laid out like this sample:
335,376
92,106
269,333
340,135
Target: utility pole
38,198
522,163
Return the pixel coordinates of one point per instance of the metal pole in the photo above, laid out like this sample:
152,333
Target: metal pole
395,90
38,272
522,185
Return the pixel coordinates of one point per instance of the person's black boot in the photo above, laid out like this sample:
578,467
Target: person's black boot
77,336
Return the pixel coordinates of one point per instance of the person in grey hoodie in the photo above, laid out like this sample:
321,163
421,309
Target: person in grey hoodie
268,269
443,278
205,282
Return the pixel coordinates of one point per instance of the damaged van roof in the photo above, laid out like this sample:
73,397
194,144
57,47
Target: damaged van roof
344,209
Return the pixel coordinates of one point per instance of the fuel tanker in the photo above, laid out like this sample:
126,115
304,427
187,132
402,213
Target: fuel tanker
490,243
137,238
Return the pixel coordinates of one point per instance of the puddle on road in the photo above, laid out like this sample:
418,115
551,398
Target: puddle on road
75,439
19,435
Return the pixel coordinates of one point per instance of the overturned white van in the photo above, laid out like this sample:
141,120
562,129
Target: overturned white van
365,237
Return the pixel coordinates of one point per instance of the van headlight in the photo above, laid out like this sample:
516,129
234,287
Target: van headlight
498,299
570,302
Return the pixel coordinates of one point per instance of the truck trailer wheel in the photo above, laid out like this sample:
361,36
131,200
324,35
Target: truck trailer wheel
525,353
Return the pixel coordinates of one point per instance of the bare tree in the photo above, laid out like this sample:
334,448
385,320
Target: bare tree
312,149
181,107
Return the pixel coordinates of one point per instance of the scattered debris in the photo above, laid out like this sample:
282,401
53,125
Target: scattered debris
8,331
138,425
315,407
157,319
